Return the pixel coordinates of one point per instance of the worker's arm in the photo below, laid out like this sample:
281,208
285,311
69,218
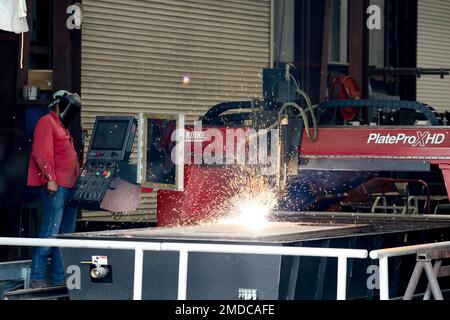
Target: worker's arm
43,153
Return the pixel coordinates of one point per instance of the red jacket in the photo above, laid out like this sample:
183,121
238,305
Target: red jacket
53,156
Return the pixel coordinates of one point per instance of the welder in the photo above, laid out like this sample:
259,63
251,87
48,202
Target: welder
54,169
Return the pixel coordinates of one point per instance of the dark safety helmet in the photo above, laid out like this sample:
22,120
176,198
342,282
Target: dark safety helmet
69,105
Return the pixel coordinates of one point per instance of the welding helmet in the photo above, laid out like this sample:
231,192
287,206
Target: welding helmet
69,105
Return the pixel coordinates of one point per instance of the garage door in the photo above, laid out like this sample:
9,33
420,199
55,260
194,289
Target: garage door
434,52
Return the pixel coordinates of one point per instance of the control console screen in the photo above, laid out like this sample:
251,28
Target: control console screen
109,135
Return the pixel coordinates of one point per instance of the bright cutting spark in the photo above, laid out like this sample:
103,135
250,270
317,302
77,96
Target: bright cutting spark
252,203
252,211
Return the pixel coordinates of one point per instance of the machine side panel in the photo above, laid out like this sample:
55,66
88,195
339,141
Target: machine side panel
404,143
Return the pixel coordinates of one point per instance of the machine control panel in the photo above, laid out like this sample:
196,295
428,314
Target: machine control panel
95,180
109,149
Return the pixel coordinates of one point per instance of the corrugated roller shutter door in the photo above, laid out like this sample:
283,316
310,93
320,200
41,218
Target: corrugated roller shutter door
433,51
135,54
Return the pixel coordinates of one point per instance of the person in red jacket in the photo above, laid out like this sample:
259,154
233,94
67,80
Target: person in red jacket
54,169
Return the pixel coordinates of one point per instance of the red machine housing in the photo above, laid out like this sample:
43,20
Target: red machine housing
208,187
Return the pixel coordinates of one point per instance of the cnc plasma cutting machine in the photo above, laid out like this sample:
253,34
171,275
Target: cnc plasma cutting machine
311,166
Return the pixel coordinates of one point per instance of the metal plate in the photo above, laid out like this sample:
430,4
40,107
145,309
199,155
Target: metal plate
270,232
